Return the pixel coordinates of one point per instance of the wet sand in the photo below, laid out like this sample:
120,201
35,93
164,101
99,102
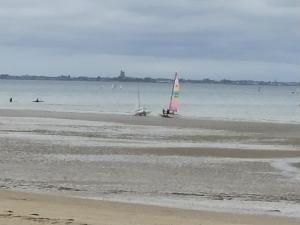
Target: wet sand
18,208
198,164
296,165
239,126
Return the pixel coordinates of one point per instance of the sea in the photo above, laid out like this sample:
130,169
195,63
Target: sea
211,101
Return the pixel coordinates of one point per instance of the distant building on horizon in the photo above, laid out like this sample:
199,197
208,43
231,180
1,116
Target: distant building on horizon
122,74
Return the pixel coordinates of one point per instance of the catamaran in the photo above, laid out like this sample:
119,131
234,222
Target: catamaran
141,111
174,100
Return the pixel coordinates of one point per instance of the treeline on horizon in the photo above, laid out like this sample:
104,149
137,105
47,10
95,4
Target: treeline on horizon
145,79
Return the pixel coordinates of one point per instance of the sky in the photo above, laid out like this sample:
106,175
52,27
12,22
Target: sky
216,39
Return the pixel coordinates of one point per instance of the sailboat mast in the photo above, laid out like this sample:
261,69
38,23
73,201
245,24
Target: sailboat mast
139,98
172,91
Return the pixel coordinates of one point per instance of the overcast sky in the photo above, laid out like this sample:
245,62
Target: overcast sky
234,39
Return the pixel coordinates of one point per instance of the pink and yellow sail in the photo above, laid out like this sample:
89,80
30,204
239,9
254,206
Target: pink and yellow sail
174,101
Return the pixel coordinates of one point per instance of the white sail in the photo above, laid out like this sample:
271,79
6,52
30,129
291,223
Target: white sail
140,111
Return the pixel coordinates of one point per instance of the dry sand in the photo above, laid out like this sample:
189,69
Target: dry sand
29,209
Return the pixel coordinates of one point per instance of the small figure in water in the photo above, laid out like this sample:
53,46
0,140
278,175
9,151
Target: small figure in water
10,100
168,111
164,112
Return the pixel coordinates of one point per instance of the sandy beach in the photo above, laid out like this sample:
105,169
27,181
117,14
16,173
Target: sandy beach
24,208
120,169
131,112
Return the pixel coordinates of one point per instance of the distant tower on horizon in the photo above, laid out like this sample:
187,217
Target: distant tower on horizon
122,74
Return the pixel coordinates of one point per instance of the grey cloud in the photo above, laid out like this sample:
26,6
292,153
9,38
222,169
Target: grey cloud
262,31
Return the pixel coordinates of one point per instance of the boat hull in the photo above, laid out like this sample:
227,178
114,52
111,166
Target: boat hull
165,115
142,112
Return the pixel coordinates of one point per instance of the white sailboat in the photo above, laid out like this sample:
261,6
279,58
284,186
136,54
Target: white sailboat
141,110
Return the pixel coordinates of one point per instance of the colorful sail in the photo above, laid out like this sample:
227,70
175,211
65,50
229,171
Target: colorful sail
174,102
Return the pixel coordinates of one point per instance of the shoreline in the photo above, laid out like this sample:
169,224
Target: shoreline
152,115
32,208
191,122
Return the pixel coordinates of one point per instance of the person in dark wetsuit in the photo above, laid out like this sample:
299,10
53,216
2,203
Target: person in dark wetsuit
10,100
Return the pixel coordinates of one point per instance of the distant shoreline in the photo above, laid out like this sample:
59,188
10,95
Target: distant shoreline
145,80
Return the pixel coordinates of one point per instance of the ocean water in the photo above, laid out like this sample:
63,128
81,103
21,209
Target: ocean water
225,102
